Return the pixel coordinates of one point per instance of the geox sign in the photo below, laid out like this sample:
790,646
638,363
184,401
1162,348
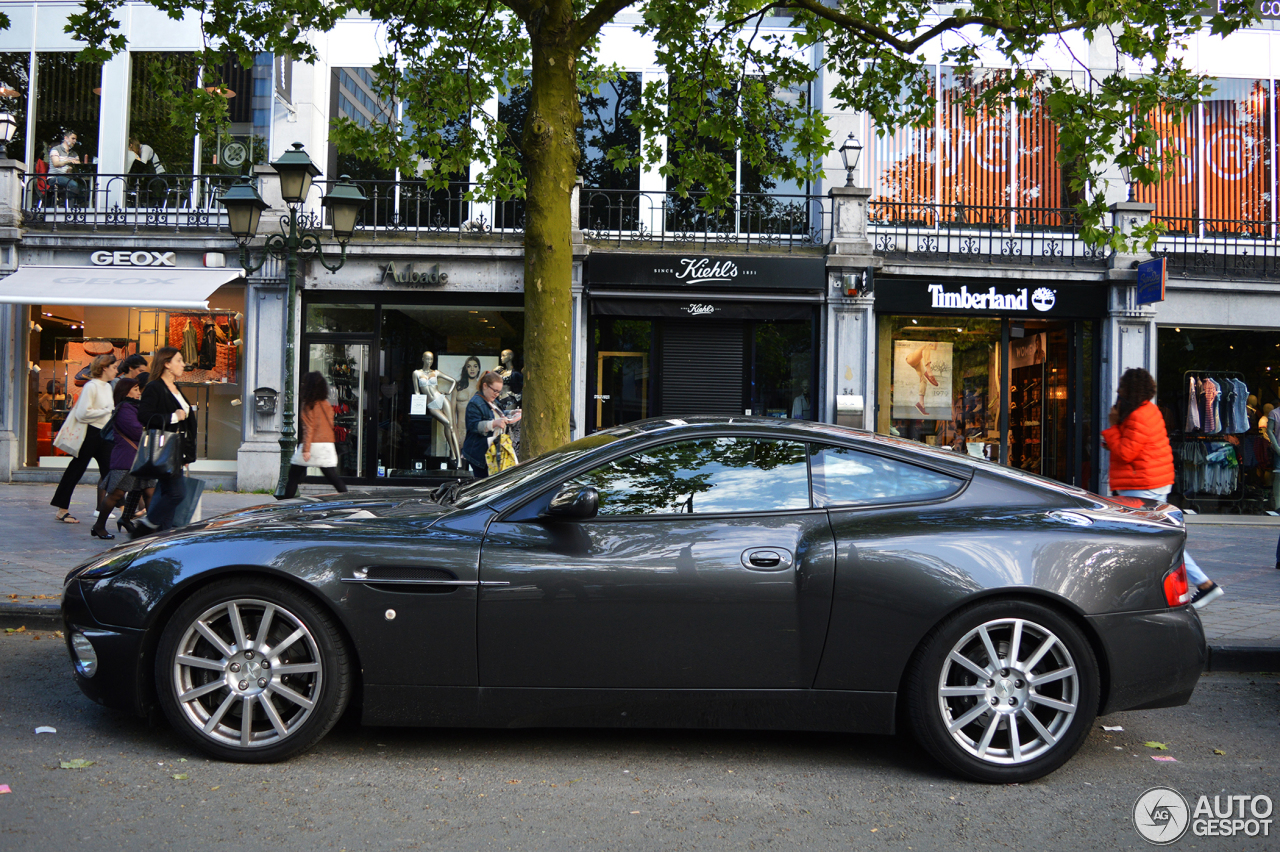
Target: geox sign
410,274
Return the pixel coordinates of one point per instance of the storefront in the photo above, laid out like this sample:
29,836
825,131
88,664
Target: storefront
402,341
683,334
1001,369
125,300
1218,351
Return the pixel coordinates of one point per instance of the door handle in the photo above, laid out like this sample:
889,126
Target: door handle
766,559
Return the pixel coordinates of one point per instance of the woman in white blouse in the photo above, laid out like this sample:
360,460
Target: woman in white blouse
83,433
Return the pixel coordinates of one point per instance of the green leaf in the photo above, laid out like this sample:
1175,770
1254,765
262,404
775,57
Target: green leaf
181,776
78,763
1154,744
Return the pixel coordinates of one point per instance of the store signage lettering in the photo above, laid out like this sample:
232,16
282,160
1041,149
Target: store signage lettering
696,310
133,258
1042,299
705,270
410,274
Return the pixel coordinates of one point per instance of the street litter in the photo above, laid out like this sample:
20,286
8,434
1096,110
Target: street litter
22,629
1218,751
4,788
78,763
45,729
181,776
1154,744
1112,728
1163,759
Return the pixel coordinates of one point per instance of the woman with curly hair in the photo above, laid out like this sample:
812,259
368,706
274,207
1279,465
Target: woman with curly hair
1142,460
316,449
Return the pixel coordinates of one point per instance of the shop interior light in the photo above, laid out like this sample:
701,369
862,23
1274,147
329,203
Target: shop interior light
220,90
344,202
7,91
296,173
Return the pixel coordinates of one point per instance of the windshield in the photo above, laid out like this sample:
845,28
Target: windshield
483,490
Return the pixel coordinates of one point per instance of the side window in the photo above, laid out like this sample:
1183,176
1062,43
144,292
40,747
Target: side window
699,477
844,477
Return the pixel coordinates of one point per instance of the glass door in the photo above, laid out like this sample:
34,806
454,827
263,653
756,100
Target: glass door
345,366
622,388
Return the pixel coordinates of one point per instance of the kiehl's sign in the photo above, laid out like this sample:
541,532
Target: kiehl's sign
409,273
672,271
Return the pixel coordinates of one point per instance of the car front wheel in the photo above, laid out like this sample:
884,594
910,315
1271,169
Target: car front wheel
1003,691
250,670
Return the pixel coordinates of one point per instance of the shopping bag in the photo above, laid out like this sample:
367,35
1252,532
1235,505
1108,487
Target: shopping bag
70,437
501,454
159,455
187,508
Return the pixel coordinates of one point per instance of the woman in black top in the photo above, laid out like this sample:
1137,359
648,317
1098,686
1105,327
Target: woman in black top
164,407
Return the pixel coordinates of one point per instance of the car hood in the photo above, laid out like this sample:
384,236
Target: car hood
352,507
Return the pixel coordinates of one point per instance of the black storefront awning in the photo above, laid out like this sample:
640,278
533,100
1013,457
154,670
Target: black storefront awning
671,272
710,308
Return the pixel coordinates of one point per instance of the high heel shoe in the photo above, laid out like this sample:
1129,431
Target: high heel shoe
125,525
101,533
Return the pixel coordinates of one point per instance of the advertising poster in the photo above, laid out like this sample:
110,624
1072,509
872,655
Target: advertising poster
1028,351
921,380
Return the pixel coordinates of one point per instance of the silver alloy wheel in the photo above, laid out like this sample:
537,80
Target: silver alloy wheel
247,673
1008,691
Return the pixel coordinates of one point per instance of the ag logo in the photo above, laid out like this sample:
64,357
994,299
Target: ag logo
1043,299
1161,816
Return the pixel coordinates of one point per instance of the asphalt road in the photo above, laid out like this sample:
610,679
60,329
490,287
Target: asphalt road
380,788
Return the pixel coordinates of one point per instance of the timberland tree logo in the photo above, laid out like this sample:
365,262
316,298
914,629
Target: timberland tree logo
992,300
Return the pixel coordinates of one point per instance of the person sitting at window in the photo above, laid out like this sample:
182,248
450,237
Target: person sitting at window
60,162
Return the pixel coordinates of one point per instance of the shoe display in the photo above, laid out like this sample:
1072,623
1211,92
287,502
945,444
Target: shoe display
1205,596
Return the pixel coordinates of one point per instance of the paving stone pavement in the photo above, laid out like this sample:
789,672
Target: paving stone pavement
36,552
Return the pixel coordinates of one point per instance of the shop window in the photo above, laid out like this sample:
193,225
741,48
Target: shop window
1043,184
15,85
1175,196
242,142
341,319
353,95
431,359
973,146
782,370
700,477
1225,458
845,477
157,146
67,104
606,125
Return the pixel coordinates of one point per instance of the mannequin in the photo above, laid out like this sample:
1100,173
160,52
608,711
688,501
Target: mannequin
427,382
800,406
512,391
1270,425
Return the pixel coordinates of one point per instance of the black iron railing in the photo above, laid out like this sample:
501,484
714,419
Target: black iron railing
129,202
1033,236
1220,247
410,208
623,217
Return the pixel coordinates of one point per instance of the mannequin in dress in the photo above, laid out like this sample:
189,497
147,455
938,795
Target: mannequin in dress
427,382
512,391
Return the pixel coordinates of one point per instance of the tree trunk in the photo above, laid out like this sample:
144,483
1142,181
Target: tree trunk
551,158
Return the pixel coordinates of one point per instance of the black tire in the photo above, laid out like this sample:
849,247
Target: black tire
294,676
1051,717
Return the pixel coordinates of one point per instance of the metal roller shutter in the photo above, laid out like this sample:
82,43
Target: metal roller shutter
701,367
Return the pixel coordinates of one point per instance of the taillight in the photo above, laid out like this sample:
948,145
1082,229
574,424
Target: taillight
1176,592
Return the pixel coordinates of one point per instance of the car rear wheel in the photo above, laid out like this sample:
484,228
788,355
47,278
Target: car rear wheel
250,670
1003,692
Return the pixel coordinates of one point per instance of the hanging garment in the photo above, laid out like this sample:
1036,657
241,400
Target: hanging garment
1209,422
190,345
209,348
1226,407
1193,406
1240,407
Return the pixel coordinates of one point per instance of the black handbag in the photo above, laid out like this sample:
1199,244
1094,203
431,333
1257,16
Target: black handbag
159,455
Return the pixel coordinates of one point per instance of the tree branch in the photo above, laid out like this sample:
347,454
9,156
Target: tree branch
589,24
871,33
523,8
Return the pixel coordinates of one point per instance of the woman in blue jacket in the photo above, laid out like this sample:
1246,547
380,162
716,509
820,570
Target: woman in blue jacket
484,422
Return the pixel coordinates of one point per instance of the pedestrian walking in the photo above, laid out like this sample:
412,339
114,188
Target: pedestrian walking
317,448
120,483
485,422
1142,459
81,435
163,406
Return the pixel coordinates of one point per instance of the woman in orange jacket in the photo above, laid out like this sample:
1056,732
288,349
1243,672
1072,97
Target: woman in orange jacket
1142,460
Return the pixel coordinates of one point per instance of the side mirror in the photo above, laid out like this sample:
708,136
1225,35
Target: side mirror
574,503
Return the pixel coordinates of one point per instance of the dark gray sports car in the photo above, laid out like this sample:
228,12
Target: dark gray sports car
723,573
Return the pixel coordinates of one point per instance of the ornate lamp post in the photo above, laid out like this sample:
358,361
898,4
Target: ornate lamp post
850,153
294,240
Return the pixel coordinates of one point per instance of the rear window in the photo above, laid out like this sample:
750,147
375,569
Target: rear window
846,477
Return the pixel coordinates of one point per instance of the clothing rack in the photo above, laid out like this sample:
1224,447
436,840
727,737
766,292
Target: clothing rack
1214,451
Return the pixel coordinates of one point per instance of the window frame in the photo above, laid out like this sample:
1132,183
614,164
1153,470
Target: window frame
825,504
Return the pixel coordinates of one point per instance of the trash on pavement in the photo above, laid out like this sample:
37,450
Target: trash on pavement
181,776
4,788
1218,751
78,763
46,729
1154,744
1164,759
1112,728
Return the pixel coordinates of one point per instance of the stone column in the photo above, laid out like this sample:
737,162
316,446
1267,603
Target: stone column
15,372
1129,336
848,367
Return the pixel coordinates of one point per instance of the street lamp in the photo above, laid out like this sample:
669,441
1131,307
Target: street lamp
8,127
1126,172
244,212
850,153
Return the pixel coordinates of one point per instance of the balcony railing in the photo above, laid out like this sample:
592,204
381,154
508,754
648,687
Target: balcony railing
409,208
128,202
1023,236
641,219
1198,248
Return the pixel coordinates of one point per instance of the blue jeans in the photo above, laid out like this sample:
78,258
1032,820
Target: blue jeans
1195,575
70,188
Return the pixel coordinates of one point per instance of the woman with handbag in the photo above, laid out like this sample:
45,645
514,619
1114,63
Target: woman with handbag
317,446
81,435
485,424
120,482
164,408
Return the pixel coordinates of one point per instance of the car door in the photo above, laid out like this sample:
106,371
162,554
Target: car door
706,567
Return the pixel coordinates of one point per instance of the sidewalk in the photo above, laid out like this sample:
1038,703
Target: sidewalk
1243,626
